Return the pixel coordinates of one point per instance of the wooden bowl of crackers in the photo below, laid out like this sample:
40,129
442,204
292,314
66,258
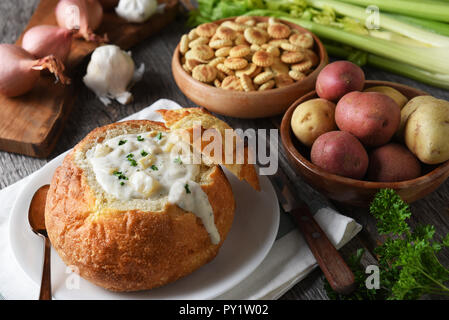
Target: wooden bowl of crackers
248,67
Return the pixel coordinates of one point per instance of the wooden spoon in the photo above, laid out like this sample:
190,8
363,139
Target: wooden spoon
36,218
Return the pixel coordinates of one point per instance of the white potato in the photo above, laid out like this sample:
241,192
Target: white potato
407,110
313,118
394,94
427,129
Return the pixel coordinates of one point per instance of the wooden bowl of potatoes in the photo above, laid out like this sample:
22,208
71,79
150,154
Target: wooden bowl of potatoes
357,192
247,66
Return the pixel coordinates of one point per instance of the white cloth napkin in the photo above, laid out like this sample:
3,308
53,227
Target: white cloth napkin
288,262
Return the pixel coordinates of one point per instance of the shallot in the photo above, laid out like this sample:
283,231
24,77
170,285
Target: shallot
44,40
83,15
20,70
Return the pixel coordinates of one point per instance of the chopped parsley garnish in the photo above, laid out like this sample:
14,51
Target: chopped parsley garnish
153,167
159,136
144,153
122,142
139,138
178,160
122,183
120,175
187,188
131,160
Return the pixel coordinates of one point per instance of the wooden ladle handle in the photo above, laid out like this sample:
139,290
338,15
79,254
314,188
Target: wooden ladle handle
45,293
335,269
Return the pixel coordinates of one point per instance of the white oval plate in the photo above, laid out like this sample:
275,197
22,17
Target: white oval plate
252,234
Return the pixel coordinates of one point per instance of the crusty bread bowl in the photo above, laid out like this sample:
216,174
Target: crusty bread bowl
124,233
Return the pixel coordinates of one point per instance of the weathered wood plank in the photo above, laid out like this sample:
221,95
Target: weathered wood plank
158,82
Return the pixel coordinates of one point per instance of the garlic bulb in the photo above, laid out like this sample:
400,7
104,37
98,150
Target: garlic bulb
136,10
110,74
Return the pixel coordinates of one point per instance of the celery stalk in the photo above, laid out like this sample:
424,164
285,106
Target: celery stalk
432,10
418,61
434,79
430,59
396,38
434,26
385,21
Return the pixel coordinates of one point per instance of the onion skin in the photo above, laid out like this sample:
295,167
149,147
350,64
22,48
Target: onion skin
19,70
44,40
83,14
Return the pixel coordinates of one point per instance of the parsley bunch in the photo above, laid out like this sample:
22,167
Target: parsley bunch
408,262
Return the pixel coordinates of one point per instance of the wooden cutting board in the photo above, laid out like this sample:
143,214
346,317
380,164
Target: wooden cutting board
31,124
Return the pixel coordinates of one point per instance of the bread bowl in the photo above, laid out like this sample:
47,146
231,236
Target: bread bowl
119,219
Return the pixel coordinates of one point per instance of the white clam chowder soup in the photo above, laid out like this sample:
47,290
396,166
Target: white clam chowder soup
145,166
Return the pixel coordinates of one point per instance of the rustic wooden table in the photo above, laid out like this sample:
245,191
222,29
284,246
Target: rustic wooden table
89,113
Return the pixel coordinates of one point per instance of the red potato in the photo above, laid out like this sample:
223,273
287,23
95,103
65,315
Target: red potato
392,163
372,117
340,153
339,78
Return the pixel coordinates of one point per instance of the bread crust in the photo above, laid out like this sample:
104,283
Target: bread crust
185,118
130,250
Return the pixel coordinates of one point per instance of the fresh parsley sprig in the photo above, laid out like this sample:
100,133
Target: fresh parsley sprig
390,212
408,262
412,252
